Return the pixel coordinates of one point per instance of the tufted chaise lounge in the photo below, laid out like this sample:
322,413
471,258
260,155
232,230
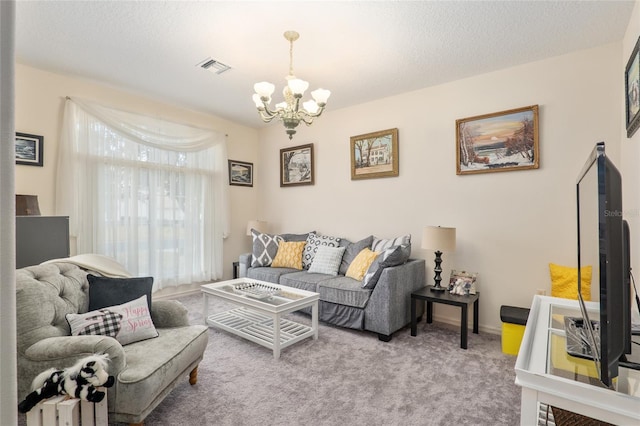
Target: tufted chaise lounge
145,371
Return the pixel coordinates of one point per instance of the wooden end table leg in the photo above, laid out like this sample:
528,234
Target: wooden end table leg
463,327
414,325
429,312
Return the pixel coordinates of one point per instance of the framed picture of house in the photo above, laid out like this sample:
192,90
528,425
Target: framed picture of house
29,149
296,165
498,142
375,155
240,173
632,91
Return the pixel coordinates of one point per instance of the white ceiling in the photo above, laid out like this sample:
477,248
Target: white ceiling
361,51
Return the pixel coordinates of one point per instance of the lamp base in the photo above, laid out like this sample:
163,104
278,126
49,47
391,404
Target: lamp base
437,288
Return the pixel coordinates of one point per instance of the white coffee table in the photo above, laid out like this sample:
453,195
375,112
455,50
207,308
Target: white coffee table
256,315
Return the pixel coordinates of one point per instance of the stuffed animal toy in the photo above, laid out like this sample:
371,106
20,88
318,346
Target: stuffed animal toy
79,381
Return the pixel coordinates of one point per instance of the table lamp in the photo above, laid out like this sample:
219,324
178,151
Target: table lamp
258,225
439,239
27,205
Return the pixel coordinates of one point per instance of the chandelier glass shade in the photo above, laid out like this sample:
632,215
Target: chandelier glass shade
290,112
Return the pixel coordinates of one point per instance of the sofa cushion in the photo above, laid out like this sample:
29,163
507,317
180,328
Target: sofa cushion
295,237
289,255
153,365
361,264
352,250
313,242
268,274
344,291
382,244
104,291
327,260
396,255
304,280
127,323
265,247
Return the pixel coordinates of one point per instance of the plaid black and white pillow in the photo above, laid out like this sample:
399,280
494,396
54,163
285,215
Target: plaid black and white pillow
104,323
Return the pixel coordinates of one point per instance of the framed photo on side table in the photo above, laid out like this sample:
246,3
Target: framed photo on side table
240,173
29,149
632,95
296,165
375,155
462,282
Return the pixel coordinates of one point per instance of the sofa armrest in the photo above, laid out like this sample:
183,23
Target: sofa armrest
64,351
245,262
169,313
389,307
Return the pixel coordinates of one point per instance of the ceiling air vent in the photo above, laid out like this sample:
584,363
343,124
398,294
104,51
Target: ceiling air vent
213,66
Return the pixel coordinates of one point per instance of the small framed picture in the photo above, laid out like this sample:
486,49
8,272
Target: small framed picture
240,173
375,155
462,283
498,142
632,95
296,165
29,149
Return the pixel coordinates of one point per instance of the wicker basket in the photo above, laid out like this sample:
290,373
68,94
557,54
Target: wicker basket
569,418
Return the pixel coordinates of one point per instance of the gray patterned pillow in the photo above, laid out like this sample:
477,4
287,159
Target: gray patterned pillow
313,242
327,260
396,255
352,251
265,247
379,244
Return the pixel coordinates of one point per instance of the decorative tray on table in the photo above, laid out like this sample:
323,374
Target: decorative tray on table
256,290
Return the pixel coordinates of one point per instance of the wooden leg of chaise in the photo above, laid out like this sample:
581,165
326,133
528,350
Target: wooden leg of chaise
193,376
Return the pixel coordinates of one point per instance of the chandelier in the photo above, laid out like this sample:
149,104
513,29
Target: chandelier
290,111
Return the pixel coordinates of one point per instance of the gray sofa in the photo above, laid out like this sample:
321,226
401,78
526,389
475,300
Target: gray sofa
145,371
343,302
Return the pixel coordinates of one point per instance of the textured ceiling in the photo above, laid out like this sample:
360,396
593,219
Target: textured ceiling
361,51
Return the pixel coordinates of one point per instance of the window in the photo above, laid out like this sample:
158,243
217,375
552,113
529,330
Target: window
147,192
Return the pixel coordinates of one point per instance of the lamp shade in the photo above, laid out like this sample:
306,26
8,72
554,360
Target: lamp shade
439,238
258,225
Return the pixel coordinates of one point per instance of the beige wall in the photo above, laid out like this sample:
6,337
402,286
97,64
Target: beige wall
510,225
39,106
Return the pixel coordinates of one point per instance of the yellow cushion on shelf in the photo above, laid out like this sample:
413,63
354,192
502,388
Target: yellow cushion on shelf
564,281
361,263
289,255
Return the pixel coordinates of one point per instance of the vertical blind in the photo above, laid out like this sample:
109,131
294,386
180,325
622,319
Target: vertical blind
148,192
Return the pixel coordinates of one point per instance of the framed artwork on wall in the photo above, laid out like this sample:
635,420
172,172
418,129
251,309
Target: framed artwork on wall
632,95
29,149
240,173
498,142
296,165
375,155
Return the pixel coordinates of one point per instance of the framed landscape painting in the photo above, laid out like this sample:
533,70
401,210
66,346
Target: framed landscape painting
375,155
29,149
296,165
498,142
240,173
632,91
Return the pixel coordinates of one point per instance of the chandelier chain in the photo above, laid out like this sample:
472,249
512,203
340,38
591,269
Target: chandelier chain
290,57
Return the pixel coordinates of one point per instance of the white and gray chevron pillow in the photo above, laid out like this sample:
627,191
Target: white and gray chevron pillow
380,245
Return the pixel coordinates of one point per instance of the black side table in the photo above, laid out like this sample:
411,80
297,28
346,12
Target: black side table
448,299
236,270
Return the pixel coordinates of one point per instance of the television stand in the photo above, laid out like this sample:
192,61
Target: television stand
548,375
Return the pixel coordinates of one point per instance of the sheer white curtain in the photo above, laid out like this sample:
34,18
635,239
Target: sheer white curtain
148,192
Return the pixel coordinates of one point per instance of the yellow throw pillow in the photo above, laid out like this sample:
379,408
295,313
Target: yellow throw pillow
564,281
361,263
289,255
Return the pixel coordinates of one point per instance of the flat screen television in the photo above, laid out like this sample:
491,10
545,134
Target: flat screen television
603,244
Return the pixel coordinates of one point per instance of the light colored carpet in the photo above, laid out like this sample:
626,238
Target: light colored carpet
347,377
